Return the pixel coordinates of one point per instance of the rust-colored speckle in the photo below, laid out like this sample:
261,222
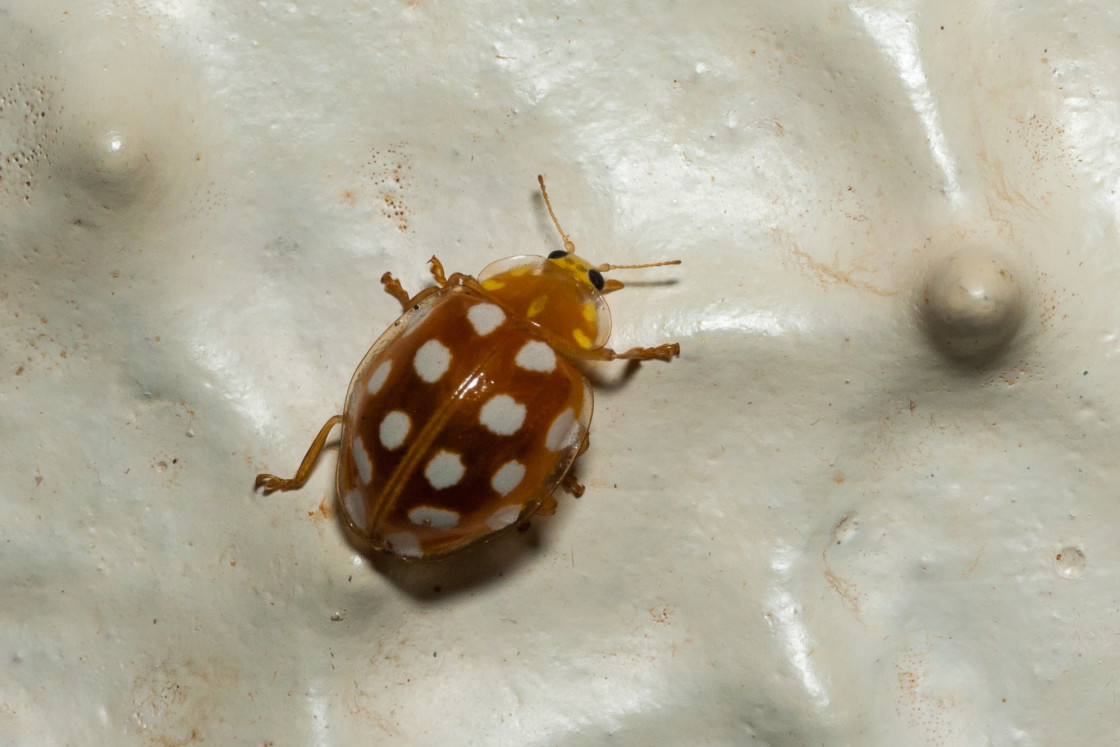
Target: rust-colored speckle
323,513
389,172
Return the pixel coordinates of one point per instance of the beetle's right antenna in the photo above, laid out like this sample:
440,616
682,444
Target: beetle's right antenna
568,245
608,268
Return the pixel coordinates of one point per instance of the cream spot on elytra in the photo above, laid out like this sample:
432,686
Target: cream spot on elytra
377,380
485,318
394,429
444,470
536,356
503,517
406,544
502,415
508,477
361,461
563,431
354,503
440,518
432,361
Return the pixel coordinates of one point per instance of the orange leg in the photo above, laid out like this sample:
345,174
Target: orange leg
572,485
272,483
569,481
394,288
437,272
547,507
664,352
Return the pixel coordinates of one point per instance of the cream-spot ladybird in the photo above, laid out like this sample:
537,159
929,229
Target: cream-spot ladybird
467,414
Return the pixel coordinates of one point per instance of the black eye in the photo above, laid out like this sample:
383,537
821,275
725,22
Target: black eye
596,278
558,254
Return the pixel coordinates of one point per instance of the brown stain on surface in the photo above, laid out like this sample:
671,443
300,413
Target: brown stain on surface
28,109
831,273
388,173
932,716
173,702
324,512
661,615
848,591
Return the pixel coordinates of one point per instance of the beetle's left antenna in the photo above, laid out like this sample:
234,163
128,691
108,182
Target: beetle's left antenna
568,245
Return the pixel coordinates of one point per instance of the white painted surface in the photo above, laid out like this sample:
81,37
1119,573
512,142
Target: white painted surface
813,528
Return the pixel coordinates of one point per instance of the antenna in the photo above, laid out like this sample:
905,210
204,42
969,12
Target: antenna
608,268
568,245
571,248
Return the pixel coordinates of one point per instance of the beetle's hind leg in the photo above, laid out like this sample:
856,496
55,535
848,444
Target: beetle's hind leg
272,483
572,485
661,353
548,507
394,288
569,481
436,268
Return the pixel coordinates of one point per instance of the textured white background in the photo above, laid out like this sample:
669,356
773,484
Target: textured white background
812,528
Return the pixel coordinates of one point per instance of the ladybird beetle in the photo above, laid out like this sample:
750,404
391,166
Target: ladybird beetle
467,414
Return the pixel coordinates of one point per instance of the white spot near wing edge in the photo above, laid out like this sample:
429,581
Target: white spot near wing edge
508,477
485,318
440,518
361,461
377,379
503,517
355,505
563,431
405,544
